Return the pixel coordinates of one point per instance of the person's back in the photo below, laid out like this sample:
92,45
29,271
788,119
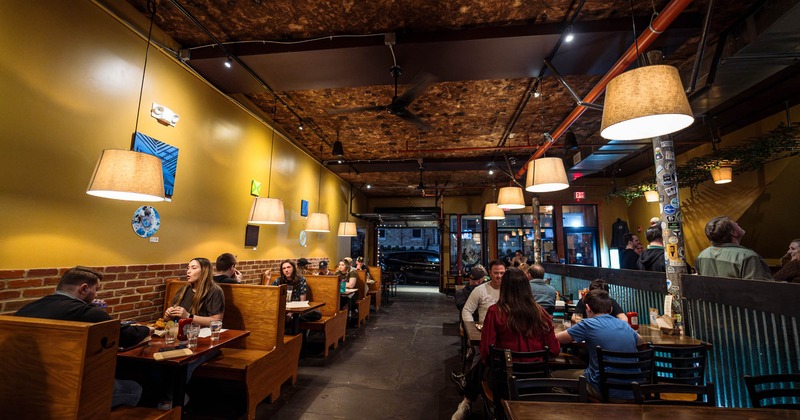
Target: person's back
725,257
543,293
652,259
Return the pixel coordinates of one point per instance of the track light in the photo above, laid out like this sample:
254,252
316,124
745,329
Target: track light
570,141
338,149
536,93
569,35
229,63
302,126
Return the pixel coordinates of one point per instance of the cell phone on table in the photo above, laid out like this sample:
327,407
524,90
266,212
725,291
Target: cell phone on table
182,346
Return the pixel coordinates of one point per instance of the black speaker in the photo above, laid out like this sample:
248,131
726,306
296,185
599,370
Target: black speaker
251,236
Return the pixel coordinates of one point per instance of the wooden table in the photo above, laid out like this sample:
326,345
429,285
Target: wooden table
296,312
518,410
177,368
656,337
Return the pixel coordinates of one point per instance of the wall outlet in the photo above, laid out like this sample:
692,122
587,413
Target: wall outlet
154,239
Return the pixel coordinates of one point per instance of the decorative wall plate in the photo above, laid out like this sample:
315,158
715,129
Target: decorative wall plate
303,238
146,221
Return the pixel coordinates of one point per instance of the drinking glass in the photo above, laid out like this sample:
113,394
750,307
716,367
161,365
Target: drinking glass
192,331
171,333
288,294
577,318
216,328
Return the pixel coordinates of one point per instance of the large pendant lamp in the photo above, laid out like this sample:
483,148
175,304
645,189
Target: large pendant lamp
318,222
492,212
348,228
126,174
546,175
645,102
268,211
651,196
511,198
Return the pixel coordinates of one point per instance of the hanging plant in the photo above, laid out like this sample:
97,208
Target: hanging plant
783,141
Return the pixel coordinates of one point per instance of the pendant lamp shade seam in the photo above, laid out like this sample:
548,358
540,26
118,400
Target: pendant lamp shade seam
127,175
492,212
546,175
511,198
347,229
645,102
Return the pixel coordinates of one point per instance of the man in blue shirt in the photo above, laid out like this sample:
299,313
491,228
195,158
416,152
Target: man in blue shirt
599,329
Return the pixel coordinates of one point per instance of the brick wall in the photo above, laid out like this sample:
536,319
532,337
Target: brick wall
131,291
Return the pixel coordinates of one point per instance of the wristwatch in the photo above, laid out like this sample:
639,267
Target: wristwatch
191,316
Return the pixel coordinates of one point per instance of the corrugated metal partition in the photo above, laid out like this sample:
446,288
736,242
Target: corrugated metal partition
752,325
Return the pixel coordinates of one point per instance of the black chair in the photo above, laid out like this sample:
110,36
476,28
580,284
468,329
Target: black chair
549,389
652,394
679,365
774,391
618,370
505,364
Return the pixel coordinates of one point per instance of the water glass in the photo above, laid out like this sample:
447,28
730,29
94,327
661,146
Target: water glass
288,294
216,328
192,331
171,334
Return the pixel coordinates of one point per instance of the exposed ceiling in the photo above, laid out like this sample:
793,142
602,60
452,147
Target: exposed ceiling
475,66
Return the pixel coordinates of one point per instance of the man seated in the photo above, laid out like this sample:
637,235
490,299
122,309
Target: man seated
725,257
302,267
652,259
477,274
72,301
225,269
580,307
323,269
544,293
599,329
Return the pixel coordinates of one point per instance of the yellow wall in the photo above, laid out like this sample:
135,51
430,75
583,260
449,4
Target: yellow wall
69,83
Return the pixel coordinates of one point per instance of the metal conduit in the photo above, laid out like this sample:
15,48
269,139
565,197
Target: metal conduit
660,24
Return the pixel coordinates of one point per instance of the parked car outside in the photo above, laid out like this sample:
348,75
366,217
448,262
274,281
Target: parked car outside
415,266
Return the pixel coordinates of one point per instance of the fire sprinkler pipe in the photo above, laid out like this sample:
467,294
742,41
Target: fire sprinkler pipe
660,24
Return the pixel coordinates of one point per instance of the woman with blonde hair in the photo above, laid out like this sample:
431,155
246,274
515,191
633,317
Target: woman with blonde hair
202,299
790,271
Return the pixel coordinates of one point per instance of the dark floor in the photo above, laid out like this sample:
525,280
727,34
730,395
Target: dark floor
397,367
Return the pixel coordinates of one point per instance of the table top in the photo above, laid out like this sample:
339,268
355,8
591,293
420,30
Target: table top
648,334
517,410
146,351
311,306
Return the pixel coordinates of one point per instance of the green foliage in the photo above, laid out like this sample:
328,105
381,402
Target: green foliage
783,141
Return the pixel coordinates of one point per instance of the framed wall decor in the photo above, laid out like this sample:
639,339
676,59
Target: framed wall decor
168,154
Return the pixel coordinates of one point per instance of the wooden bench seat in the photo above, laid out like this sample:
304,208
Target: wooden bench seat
333,323
375,289
266,358
62,370
364,299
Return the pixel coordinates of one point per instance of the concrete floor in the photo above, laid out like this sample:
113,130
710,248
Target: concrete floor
396,367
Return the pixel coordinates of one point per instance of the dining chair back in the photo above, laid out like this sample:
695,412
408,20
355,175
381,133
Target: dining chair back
618,370
504,365
549,389
774,391
704,395
679,365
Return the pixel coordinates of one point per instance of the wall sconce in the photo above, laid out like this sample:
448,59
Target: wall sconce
651,196
511,198
722,175
645,102
164,115
546,175
127,175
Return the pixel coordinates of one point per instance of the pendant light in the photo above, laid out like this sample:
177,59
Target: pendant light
511,198
348,228
126,174
491,211
645,102
722,175
318,222
546,174
268,211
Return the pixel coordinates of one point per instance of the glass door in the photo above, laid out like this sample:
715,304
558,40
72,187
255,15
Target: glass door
581,242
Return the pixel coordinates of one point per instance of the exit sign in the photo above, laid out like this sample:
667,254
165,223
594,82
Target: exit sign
580,195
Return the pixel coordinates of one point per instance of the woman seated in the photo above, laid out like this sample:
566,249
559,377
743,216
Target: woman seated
790,271
516,322
349,276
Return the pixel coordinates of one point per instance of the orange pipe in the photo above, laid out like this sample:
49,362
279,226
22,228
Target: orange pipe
660,24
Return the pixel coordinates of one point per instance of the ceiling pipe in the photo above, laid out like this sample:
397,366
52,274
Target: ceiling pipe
659,25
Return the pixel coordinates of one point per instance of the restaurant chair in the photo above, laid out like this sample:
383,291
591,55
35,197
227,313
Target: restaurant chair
504,365
679,365
549,389
774,391
618,370
704,395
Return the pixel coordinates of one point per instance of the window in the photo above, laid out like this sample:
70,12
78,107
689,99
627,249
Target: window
416,233
381,233
467,238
